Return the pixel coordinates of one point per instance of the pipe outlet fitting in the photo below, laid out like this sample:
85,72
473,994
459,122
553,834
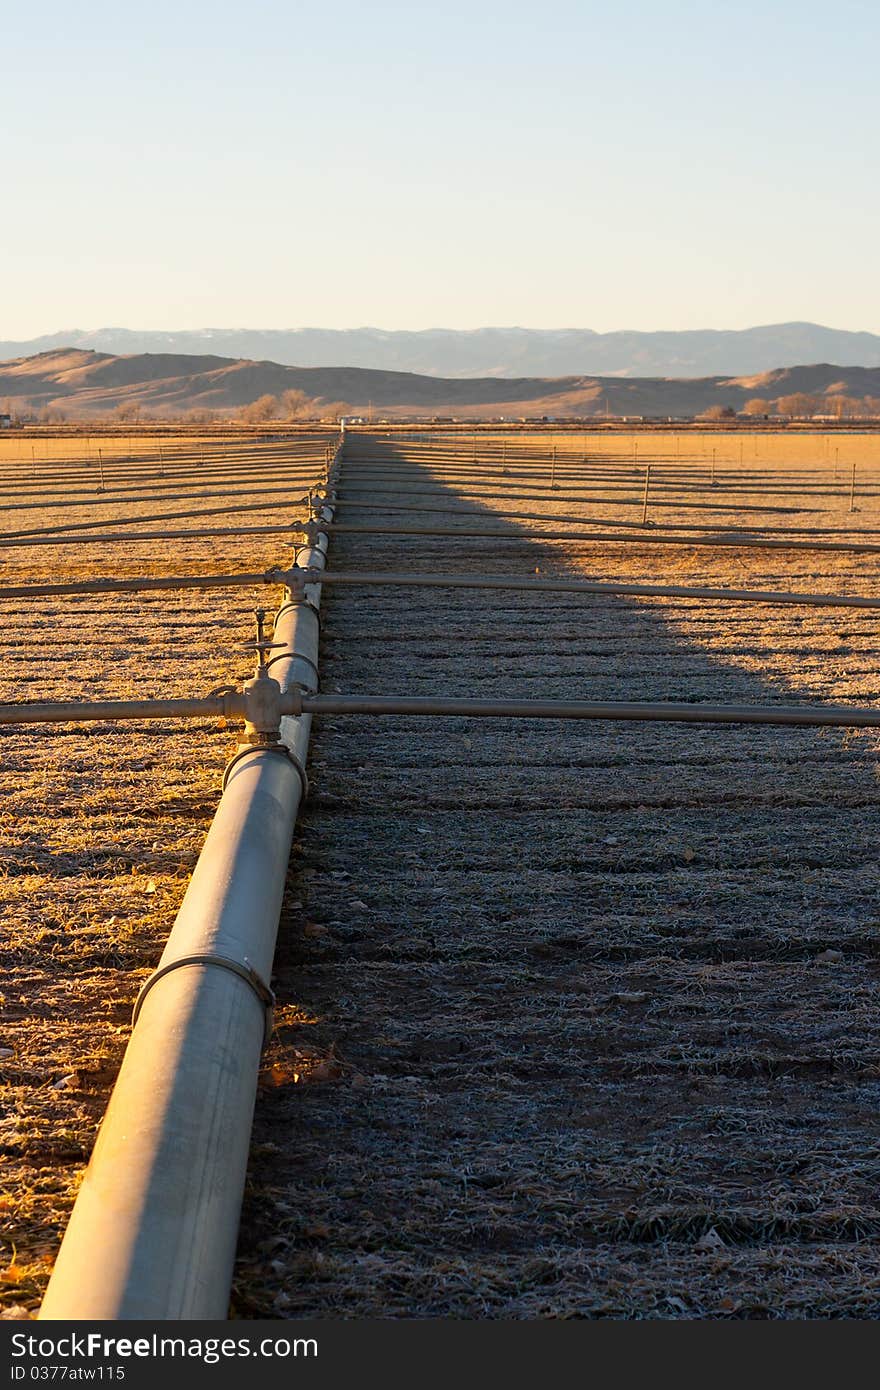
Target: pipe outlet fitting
295,580
262,710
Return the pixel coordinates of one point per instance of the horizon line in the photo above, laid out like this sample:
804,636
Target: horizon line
441,328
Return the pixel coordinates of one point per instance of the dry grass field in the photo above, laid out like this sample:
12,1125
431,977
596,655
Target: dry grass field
575,1019
101,825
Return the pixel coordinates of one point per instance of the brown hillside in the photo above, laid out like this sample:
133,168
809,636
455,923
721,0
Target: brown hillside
95,384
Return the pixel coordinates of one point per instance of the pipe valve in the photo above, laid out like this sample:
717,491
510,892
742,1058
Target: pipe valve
262,695
262,644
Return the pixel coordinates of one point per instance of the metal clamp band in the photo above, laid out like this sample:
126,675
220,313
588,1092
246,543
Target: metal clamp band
300,548
300,603
297,656
243,969
281,748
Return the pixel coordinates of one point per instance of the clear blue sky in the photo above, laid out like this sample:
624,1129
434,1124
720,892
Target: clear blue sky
629,164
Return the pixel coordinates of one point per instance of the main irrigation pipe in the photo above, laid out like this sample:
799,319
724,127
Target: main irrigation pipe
153,1232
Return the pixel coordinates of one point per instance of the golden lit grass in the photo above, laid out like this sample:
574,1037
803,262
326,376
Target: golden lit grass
100,827
123,445
765,447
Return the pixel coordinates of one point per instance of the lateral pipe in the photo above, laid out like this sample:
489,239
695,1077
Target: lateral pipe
832,716
153,1231
227,706
91,493
138,537
298,702
478,492
138,585
107,499
556,518
620,481
71,527
528,584
649,537
441,580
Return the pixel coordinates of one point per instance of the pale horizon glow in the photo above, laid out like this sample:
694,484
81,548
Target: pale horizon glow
651,167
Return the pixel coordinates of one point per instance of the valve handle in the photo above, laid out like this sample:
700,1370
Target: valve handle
262,644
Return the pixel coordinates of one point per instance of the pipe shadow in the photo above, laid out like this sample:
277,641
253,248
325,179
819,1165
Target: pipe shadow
580,1017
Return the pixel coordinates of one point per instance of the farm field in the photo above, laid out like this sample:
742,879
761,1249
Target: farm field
101,825
576,1019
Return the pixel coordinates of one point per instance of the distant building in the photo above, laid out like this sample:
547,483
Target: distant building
5,422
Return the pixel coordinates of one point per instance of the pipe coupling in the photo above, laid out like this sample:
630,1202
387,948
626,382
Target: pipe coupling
262,710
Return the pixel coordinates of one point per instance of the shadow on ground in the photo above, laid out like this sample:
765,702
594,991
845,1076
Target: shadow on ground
577,1020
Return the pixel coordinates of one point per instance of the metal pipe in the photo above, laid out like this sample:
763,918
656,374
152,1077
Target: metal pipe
743,541
528,584
440,580
227,706
86,499
153,1232
69,527
299,702
233,532
478,492
137,585
832,716
141,482
619,481
558,518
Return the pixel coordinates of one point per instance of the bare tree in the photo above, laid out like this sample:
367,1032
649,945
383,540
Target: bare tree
262,409
757,406
296,404
798,403
334,410
841,405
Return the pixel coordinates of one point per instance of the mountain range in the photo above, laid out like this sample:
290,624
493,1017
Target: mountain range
88,384
488,352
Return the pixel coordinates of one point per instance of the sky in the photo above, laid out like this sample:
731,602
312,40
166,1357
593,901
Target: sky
641,164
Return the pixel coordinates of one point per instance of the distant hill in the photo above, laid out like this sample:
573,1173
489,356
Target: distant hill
83,384
504,352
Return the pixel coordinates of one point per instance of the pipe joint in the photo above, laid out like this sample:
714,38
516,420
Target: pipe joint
292,701
262,710
294,580
233,702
